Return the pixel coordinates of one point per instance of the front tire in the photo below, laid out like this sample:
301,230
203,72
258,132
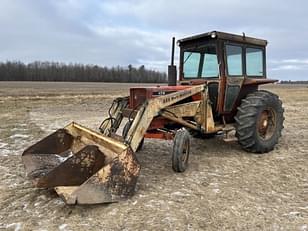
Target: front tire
181,149
259,122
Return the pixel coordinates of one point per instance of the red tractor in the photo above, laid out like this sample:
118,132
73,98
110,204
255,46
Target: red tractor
217,92
231,68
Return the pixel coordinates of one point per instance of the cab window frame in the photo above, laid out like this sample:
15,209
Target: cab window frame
263,49
190,48
244,62
242,56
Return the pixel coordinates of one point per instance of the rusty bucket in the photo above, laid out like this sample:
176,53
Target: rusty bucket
83,166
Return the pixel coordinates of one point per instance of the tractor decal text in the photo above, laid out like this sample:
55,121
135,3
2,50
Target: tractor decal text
182,94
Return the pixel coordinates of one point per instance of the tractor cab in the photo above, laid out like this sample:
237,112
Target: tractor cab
232,65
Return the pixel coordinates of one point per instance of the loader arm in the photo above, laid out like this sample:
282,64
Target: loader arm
152,108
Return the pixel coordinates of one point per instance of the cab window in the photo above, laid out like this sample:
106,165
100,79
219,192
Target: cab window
191,64
201,63
234,60
254,62
210,65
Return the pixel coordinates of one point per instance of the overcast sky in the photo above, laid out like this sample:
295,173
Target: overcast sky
139,31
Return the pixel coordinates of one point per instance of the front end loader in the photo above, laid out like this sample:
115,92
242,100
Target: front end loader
217,93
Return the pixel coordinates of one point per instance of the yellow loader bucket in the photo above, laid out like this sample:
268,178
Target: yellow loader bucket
83,166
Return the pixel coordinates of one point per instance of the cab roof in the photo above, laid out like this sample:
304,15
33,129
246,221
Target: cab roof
223,36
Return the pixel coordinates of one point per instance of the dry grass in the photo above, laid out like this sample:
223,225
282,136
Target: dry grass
224,187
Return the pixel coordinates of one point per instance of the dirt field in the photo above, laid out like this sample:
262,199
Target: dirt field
224,188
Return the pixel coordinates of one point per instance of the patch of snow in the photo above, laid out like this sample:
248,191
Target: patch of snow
36,204
213,174
134,203
280,158
18,129
62,227
304,228
216,190
2,145
295,213
178,194
18,136
5,152
113,212
58,201
213,184
25,206
64,158
16,226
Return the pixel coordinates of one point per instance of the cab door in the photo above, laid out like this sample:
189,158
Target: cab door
234,73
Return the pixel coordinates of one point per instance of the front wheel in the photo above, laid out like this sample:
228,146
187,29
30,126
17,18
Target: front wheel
180,152
259,122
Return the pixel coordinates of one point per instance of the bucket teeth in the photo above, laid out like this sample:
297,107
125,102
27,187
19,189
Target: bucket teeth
82,166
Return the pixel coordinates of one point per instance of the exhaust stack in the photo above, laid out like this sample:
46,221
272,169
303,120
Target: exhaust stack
172,67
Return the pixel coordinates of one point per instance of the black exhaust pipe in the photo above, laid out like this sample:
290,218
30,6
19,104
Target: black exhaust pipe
172,67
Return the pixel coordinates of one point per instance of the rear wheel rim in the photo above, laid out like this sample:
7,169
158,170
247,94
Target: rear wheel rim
267,124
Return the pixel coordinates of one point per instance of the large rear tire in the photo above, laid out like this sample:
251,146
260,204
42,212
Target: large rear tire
259,122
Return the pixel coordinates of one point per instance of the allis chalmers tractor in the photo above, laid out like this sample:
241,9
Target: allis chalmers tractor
219,76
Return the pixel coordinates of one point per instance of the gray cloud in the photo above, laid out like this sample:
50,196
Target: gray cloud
139,32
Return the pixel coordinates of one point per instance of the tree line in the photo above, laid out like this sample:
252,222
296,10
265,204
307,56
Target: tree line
294,82
55,71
